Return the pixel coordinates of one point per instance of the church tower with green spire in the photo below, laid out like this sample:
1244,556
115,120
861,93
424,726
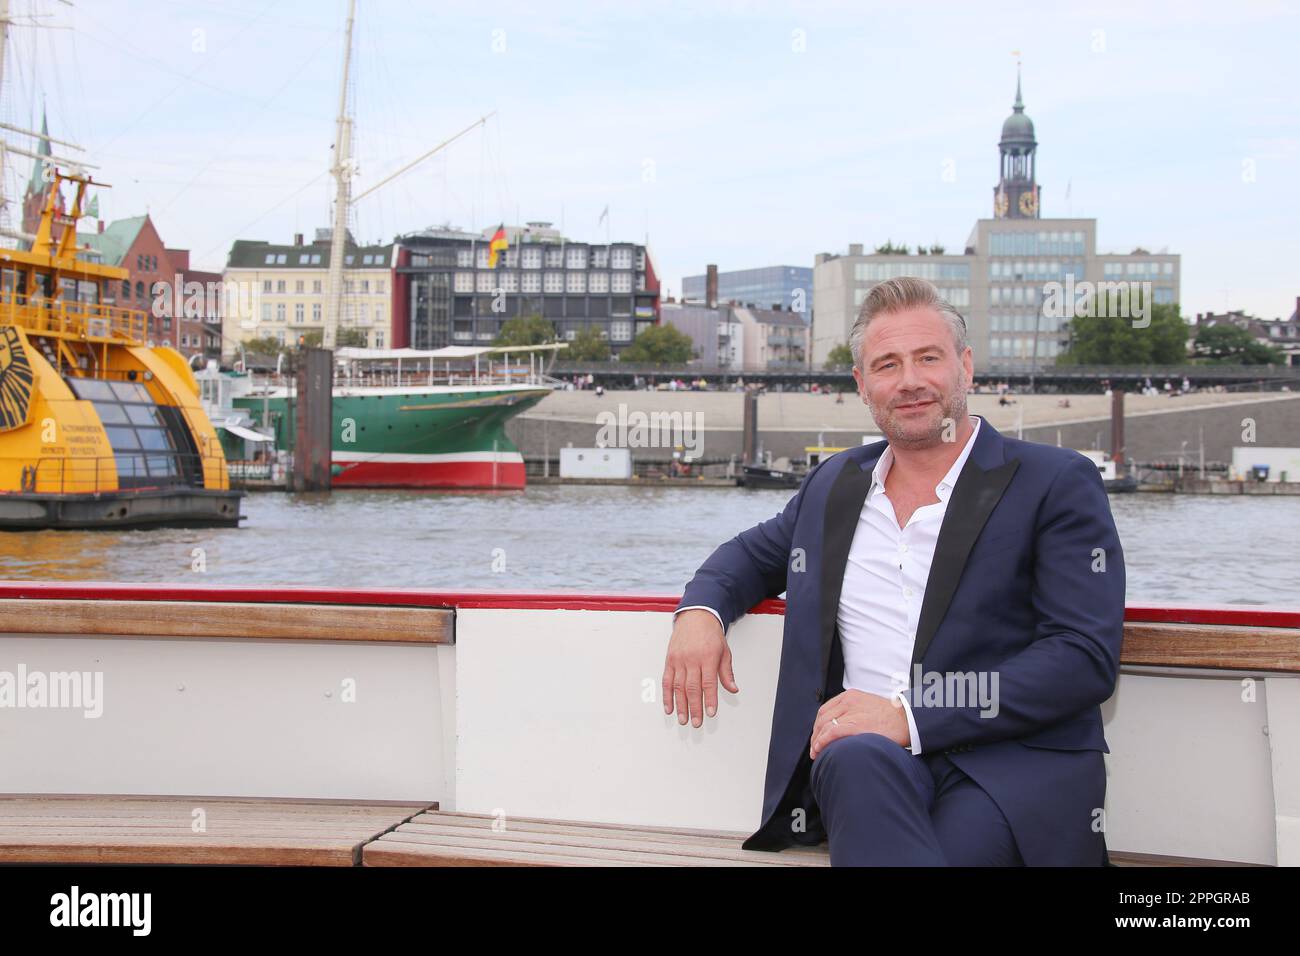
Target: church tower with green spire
1016,194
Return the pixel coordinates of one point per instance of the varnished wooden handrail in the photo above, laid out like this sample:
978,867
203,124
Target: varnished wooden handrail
1216,646
229,620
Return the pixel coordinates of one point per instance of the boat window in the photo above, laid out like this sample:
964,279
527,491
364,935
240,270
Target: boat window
92,389
111,414
153,439
142,414
120,437
130,392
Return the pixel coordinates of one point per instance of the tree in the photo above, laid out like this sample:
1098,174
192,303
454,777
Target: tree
1113,338
840,357
265,345
660,345
350,338
889,249
310,340
1231,345
526,330
588,346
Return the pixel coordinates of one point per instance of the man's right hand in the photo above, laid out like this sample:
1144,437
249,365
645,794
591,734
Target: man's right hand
697,656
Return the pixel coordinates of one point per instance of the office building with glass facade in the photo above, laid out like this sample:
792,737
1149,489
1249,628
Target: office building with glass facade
788,288
1013,277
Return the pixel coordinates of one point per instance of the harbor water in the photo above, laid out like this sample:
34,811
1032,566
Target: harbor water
1178,548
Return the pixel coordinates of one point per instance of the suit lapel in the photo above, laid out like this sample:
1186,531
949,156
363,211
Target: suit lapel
979,488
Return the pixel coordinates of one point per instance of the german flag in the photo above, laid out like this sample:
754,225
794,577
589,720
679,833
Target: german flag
498,245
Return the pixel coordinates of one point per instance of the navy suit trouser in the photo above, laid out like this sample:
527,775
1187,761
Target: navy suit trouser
882,805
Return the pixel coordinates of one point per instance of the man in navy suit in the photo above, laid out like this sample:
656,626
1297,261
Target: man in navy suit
954,615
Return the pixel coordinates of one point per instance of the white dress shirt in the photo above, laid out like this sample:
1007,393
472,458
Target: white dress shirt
884,585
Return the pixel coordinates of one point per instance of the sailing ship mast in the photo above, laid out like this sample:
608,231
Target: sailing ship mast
78,167
343,171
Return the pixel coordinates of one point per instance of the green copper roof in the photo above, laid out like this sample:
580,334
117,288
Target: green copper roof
112,244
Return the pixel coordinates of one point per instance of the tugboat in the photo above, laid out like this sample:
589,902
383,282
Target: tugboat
98,429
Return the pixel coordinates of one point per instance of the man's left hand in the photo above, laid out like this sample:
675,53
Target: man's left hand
857,712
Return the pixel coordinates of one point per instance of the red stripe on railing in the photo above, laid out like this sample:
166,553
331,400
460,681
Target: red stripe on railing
1222,614
1248,615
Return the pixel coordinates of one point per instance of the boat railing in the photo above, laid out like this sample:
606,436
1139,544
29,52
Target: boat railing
390,379
136,471
89,320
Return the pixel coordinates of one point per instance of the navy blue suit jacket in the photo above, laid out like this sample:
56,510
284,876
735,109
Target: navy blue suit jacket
1027,580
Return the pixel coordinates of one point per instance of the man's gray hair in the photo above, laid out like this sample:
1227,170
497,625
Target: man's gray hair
899,295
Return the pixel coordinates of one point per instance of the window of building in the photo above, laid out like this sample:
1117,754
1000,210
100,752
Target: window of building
379,338
279,312
266,311
365,286
530,281
554,282
510,281
299,312
575,257
531,257
279,336
486,282
315,258
304,258
280,285
315,312
575,282
316,285
281,259
465,257
554,257
139,290
379,285
600,257
481,255
298,286
620,282
620,258
270,259
598,282
620,331
464,282
347,260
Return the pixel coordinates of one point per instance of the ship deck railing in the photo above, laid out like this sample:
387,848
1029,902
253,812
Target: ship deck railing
73,319
131,470
473,727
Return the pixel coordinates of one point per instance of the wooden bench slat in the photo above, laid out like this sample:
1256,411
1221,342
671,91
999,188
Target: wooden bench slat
397,853
710,847
436,847
159,830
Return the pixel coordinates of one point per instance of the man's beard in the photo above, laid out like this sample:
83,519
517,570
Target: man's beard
924,433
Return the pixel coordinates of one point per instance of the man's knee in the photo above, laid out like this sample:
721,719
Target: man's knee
857,753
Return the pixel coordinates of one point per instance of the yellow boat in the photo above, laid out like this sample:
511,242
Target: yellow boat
98,428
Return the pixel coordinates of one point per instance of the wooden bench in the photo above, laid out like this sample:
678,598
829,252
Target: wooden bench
162,830
154,830
442,838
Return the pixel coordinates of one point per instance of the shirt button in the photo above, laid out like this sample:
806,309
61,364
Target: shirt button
908,592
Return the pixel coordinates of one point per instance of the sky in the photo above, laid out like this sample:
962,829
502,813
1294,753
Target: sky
741,134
